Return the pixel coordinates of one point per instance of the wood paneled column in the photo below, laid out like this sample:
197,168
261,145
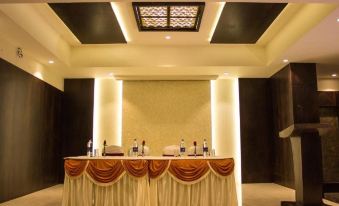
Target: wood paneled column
295,88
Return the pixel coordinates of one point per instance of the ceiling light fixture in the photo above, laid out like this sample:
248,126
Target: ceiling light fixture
226,73
168,16
337,19
285,60
168,37
110,74
38,75
50,62
334,75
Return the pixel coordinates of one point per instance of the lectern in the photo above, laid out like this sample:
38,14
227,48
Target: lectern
307,162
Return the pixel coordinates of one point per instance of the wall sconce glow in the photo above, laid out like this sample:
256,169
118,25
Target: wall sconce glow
225,124
334,75
107,113
215,22
237,145
285,60
213,116
119,123
118,14
96,110
38,75
50,62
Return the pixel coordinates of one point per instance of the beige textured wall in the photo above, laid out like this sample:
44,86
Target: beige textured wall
328,84
163,112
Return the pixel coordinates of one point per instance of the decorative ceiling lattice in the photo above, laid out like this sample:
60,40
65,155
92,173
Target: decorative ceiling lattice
168,16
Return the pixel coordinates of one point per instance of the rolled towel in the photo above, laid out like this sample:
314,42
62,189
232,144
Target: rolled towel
172,150
114,149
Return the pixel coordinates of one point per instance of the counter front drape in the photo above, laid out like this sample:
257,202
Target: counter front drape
137,168
149,182
187,170
75,168
105,171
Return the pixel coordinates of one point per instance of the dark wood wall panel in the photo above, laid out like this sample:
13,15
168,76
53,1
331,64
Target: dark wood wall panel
244,23
30,132
305,95
78,115
257,142
294,100
281,85
90,22
329,113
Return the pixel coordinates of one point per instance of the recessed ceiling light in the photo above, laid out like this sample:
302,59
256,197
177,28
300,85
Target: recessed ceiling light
50,62
38,75
285,60
168,37
110,74
334,75
226,73
337,19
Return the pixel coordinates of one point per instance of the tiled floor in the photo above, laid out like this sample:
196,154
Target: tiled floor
48,197
253,195
268,194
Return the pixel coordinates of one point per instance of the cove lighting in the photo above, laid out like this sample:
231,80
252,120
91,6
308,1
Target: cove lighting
116,6
168,16
216,20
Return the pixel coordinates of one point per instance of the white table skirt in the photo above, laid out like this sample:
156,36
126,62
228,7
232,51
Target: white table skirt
165,190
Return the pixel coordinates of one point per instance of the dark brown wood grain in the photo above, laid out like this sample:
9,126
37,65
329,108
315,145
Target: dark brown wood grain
78,103
327,99
297,84
30,133
305,95
281,87
244,23
91,23
257,154
77,127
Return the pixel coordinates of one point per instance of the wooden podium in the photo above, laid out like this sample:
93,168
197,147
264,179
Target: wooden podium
307,162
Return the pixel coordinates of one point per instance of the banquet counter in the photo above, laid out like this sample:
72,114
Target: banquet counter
149,181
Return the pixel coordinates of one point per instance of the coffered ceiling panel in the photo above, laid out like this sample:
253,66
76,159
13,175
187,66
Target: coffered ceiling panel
244,23
91,23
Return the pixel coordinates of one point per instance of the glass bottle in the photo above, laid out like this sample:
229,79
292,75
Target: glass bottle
135,148
205,148
182,147
89,148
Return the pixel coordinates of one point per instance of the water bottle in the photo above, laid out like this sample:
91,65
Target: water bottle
89,148
182,147
205,148
135,148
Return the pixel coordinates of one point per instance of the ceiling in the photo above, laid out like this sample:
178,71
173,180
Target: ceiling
301,31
